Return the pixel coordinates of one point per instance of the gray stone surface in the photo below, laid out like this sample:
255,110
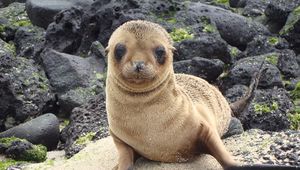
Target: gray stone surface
73,78
234,29
24,89
208,69
251,147
5,3
41,130
89,118
42,12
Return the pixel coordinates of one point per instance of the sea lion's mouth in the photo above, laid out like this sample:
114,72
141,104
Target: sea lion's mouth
140,84
138,80
142,77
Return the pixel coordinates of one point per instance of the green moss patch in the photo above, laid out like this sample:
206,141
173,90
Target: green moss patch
101,76
265,108
291,21
287,82
8,163
296,92
180,34
221,3
15,15
37,154
10,47
64,124
295,116
22,23
208,26
50,162
2,28
273,40
294,120
226,2
168,19
234,51
272,59
85,139
166,16
7,141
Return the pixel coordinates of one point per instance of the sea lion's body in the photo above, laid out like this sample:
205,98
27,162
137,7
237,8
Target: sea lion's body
155,113
164,125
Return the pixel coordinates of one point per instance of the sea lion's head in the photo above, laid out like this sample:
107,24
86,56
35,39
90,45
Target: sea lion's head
140,55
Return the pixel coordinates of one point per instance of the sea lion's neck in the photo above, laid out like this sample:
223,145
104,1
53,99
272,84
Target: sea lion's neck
125,95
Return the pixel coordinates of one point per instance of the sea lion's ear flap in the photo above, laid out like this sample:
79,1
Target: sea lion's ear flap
172,48
106,51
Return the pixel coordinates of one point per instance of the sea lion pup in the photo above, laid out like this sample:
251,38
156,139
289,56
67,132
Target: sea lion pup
155,113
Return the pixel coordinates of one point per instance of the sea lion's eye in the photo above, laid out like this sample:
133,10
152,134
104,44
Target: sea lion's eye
120,51
160,54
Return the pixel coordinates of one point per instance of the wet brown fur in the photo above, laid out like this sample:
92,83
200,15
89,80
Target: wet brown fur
166,117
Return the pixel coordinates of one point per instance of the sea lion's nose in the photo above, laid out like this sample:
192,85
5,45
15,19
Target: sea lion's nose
138,65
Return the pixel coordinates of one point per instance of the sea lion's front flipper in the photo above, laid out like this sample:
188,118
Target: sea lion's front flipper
211,141
127,155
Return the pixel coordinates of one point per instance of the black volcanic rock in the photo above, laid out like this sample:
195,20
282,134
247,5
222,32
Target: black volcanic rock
268,110
73,78
89,118
287,63
41,130
255,8
29,42
234,29
25,91
243,70
65,33
207,69
12,17
291,30
209,46
5,3
279,10
42,12
238,3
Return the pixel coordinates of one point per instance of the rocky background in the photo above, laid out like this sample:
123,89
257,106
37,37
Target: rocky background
52,63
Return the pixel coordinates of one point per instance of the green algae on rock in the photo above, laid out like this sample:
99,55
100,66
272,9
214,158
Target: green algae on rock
224,2
294,118
37,154
234,51
273,40
7,141
291,21
5,164
85,139
272,59
265,108
31,153
63,124
296,92
10,47
180,34
13,17
208,26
